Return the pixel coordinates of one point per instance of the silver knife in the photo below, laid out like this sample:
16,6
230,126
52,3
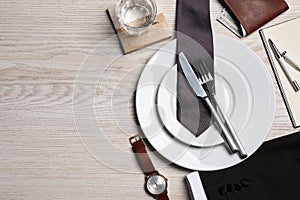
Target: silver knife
200,92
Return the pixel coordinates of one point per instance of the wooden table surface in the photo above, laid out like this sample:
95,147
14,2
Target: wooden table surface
45,100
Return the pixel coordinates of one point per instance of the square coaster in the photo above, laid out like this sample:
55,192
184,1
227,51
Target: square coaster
156,33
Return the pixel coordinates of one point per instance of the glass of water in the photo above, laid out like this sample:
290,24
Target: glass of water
136,16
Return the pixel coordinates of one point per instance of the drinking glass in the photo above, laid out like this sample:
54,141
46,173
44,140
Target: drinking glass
136,16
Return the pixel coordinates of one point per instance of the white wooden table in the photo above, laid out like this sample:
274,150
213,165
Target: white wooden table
42,47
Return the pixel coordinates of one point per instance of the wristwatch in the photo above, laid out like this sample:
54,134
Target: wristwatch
155,183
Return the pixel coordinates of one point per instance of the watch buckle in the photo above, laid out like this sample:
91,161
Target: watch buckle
134,139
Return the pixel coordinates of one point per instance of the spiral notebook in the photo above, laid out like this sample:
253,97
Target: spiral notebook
286,37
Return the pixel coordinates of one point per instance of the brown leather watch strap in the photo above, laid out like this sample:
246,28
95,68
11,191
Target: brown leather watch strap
139,148
163,196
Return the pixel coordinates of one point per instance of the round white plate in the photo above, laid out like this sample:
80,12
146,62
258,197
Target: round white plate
233,92
257,83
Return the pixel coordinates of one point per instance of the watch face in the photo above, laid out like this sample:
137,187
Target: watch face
156,184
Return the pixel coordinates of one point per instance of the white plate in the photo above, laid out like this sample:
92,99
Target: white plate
233,92
261,113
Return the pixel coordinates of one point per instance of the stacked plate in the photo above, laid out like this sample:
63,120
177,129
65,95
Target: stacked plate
243,88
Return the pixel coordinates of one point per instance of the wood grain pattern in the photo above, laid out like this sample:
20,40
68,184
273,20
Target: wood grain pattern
43,46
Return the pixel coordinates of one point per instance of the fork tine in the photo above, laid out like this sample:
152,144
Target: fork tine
206,77
207,73
198,74
202,72
210,77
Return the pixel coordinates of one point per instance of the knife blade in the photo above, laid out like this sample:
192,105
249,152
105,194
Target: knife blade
191,76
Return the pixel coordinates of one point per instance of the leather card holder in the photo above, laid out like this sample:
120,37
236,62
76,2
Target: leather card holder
253,14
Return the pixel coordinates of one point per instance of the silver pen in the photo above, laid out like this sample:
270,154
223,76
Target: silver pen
291,60
282,63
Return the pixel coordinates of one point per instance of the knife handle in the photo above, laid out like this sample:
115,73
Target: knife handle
241,149
225,134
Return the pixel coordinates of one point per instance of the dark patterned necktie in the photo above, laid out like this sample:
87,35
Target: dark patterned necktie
194,38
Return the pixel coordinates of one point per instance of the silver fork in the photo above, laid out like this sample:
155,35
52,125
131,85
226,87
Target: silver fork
204,78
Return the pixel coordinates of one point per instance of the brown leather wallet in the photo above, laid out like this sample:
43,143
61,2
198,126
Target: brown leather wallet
252,14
